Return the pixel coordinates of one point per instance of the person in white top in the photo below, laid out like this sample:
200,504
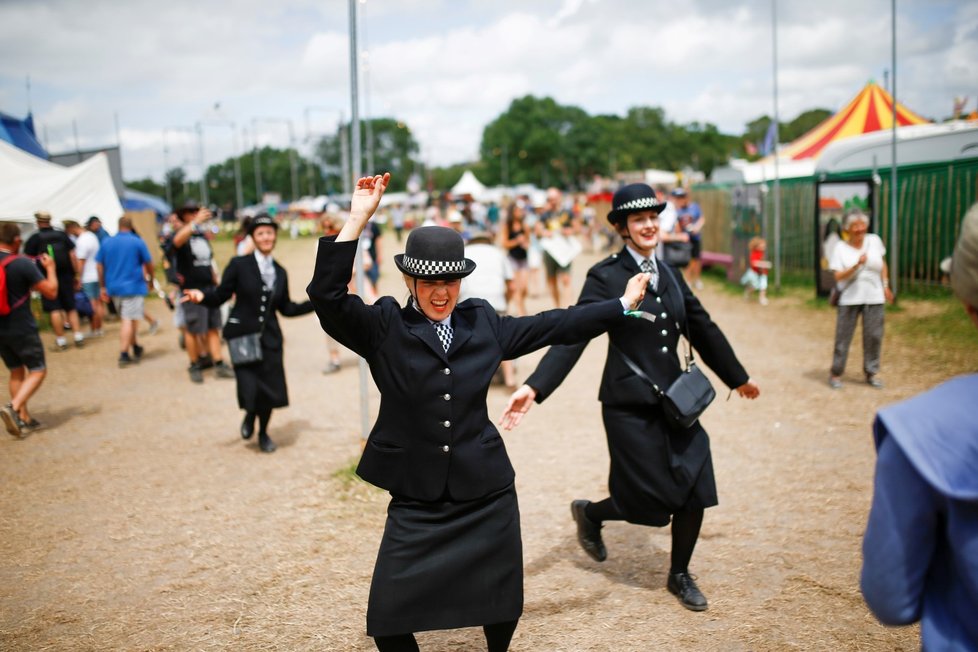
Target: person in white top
492,280
859,265
86,247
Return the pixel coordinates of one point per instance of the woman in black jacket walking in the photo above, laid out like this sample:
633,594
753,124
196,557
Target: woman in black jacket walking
261,289
451,554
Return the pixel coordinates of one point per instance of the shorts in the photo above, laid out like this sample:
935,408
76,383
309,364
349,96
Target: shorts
130,307
23,351
178,320
696,249
199,319
66,296
91,290
552,267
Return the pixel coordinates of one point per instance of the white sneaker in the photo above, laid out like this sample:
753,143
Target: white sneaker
698,285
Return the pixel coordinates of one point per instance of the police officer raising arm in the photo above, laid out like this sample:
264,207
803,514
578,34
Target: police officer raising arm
451,553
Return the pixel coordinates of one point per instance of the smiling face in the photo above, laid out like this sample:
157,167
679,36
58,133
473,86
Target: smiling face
641,232
264,237
436,299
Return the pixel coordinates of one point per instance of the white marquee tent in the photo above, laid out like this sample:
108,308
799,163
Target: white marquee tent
468,185
31,184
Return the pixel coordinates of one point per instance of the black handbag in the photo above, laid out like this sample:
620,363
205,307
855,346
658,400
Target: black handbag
677,254
245,349
685,400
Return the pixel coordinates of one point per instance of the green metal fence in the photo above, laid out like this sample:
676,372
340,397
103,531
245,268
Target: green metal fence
932,200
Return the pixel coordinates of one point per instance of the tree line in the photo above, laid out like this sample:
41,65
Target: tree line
535,140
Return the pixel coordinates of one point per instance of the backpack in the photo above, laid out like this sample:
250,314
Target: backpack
5,307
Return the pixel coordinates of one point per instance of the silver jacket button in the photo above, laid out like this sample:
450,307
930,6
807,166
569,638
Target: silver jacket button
447,397
445,448
447,371
447,424
664,315
665,349
658,299
664,332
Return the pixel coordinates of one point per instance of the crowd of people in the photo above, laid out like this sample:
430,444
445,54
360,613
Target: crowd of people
468,270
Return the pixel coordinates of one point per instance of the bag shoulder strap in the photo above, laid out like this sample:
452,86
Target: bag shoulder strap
9,258
637,370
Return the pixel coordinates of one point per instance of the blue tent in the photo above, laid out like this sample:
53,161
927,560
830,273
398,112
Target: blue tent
20,133
133,200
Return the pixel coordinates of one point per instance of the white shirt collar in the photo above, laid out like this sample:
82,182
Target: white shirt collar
639,258
447,320
262,258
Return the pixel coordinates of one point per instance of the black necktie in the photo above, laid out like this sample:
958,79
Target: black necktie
444,332
649,267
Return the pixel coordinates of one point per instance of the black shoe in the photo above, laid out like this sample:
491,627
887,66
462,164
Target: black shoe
248,426
205,361
137,352
683,587
221,370
195,374
588,532
265,443
124,360
12,421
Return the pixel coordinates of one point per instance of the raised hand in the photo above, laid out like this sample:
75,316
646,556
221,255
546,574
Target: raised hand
367,194
519,404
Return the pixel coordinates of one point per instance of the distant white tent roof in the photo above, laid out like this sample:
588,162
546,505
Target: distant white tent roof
78,192
468,185
741,171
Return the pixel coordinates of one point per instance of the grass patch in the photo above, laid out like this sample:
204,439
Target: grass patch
941,330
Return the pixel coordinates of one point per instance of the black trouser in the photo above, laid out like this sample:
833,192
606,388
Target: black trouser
498,636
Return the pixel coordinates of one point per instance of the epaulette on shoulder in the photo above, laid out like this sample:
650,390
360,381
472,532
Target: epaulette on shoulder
610,260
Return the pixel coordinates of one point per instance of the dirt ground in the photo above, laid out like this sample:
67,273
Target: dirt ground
138,519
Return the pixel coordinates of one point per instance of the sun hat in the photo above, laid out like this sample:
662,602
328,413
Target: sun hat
42,216
262,219
678,192
435,253
632,198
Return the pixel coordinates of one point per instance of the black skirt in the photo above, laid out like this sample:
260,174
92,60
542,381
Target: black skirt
657,470
443,565
261,386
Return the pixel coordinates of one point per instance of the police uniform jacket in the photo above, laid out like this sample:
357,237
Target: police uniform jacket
255,306
651,346
433,432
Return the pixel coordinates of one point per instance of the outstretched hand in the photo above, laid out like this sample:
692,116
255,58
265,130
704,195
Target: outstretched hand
367,194
193,296
749,390
519,404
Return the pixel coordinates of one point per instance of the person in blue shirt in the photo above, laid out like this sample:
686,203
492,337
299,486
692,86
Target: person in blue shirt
690,219
920,551
124,264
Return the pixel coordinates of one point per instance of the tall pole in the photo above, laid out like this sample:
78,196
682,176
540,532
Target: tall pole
204,199
777,153
345,172
74,129
29,108
238,188
356,162
293,162
166,171
894,238
256,158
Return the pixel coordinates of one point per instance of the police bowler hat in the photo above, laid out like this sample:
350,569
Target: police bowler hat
435,253
633,198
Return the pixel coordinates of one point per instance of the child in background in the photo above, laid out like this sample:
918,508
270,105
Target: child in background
755,278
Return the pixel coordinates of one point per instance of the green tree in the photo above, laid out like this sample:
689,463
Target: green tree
803,124
395,151
147,185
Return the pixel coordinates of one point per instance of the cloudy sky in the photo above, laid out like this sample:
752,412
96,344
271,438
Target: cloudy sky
448,67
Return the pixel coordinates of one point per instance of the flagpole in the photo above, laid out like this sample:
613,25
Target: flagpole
355,166
777,175
894,238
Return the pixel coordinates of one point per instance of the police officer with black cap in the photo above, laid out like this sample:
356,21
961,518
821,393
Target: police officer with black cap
451,554
658,471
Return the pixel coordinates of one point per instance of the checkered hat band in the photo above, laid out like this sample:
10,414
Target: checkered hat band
433,267
640,204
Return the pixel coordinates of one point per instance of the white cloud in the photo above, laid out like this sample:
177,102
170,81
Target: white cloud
449,67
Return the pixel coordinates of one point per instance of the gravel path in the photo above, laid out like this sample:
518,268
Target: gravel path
139,520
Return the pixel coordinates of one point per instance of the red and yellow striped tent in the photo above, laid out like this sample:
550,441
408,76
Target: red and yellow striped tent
870,110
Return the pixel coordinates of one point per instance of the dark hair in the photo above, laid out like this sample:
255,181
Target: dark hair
9,231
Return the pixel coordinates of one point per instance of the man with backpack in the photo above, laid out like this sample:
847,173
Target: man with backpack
57,245
20,342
